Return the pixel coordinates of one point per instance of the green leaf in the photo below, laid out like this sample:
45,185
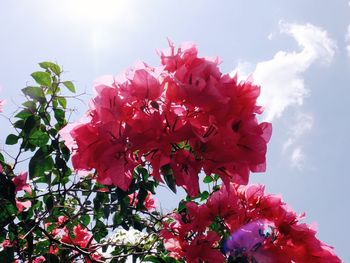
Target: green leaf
181,207
99,231
143,172
85,220
169,177
207,179
42,78
24,114
204,195
7,213
11,139
59,115
51,226
62,101
152,259
40,163
149,186
155,259
141,196
32,122
136,222
30,105
36,93
45,178
19,124
42,247
52,66
39,138
49,202
7,190
170,260
69,85
117,219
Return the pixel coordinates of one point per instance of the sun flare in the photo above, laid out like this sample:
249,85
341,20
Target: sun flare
94,12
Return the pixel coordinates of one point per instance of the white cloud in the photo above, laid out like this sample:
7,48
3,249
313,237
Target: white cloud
270,36
297,158
281,77
301,124
347,39
282,81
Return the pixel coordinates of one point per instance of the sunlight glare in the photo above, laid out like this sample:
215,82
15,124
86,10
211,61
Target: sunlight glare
95,12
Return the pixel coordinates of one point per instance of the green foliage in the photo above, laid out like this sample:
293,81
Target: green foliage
57,193
42,78
11,139
169,177
54,68
69,85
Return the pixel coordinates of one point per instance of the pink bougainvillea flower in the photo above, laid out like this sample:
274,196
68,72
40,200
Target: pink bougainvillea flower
180,243
144,82
39,259
20,182
148,202
6,243
263,228
226,204
198,217
172,244
21,206
82,237
53,249
180,118
172,60
201,249
186,169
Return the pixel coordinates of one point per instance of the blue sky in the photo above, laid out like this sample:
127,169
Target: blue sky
299,51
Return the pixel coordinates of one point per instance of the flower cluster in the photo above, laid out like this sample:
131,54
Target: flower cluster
148,203
180,118
81,238
259,227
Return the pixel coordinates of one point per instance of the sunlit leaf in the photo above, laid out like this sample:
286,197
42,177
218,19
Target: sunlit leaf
42,78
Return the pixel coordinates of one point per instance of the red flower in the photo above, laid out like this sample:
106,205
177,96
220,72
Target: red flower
6,243
144,82
39,259
20,182
82,237
263,228
148,202
186,169
201,249
172,59
23,205
185,115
